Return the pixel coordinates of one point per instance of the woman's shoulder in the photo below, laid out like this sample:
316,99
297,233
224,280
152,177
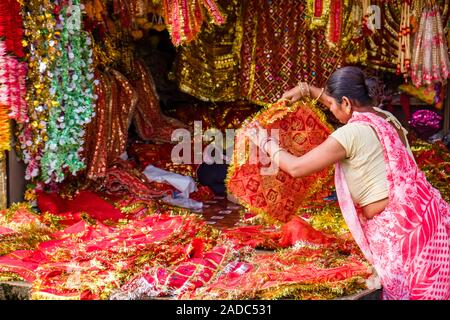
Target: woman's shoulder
352,128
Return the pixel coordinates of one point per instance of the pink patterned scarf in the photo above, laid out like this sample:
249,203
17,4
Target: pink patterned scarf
409,242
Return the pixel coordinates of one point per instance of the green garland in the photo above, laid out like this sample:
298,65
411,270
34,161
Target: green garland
73,88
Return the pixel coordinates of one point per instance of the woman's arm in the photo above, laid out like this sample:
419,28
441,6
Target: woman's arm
296,93
325,154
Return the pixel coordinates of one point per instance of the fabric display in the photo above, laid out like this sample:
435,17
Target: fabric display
430,95
159,155
123,179
218,115
430,61
425,123
275,276
208,67
150,123
107,133
279,196
21,229
434,160
279,51
289,273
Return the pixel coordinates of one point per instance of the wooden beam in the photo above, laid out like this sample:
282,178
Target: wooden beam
447,111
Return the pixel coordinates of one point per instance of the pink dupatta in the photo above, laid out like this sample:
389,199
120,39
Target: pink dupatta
409,242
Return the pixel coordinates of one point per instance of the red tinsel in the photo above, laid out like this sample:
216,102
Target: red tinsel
11,26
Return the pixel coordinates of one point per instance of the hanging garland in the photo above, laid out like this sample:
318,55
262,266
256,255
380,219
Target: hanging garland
12,72
73,87
318,11
41,41
4,109
61,89
11,26
404,40
184,20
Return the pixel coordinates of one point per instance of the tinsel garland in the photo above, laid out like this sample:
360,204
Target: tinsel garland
11,26
318,12
43,50
5,134
73,86
184,20
12,72
61,89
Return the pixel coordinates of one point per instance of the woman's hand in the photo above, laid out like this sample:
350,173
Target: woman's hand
296,93
256,134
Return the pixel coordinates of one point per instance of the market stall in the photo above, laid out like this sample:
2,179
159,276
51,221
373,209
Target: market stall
116,106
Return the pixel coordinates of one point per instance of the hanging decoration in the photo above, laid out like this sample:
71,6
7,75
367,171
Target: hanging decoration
318,12
12,71
335,22
5,135
60,97
43,50
278,51
208,67
430,61
11,27
184,20
404,40
73,87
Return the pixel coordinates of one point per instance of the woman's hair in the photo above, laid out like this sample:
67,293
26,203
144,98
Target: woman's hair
351,83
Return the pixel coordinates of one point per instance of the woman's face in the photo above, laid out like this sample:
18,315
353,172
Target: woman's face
342,111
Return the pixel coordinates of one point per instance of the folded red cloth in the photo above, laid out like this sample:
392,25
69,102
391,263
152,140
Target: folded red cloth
84,201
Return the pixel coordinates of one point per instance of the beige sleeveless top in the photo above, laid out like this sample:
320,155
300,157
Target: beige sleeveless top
364,167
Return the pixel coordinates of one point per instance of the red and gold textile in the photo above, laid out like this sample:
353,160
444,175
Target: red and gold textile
107,133
208,68
298,273
279,50
221,116
434,160
89,260
279,196
84,201
21,229
187,276
150,123
159,155
184,19
123,179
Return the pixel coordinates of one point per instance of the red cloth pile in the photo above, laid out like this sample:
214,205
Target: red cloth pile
83,202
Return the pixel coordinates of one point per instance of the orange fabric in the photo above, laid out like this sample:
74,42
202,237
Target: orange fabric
302,127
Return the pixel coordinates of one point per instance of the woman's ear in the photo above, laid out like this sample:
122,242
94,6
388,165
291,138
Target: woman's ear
346,105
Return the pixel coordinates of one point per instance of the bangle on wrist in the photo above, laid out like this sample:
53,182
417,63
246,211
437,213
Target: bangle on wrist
276,151
321,93
266,141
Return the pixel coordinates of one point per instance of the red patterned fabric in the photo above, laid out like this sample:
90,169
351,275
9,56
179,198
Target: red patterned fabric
150,123
305,273
186,277
301,128
409,242
279,50
123,179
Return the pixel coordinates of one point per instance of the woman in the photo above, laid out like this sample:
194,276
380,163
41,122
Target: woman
400,222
